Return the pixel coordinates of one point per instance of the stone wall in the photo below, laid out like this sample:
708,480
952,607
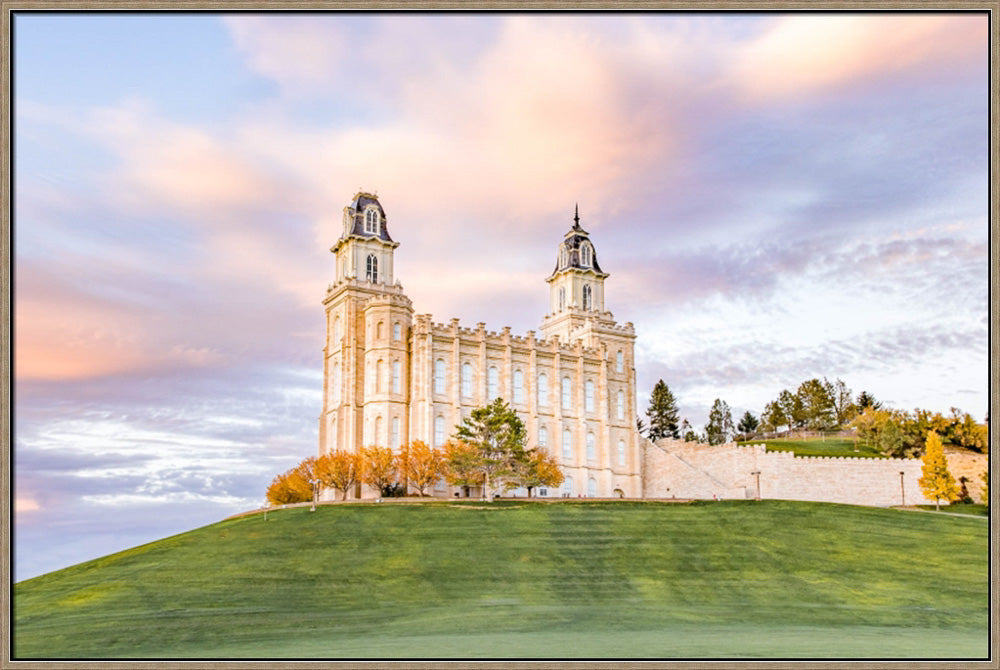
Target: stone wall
691,470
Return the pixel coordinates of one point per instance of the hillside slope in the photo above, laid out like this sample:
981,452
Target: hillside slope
515,579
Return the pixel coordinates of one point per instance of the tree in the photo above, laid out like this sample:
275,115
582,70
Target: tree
662,413
540,468
936,482
421,465
773,417
498,435
966,433
339,470
687,433
640,426
378,468
720,423
289,487
865,400
793,409
461,464
817,405
844,408
748,425
890,439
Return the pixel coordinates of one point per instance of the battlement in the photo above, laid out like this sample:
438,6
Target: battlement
424,324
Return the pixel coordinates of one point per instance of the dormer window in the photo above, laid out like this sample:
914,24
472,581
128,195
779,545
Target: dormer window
371,221
563,257
586,255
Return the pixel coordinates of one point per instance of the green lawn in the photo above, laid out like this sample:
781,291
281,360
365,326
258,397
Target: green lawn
831,446
512,579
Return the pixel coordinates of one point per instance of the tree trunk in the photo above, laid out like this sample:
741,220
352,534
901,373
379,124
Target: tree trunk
486,488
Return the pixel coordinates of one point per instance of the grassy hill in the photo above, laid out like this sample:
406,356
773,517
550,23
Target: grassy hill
573,579
814,446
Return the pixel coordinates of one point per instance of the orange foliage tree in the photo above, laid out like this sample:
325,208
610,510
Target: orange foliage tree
421,465
539,468
378,467
339,470
289,487
462,464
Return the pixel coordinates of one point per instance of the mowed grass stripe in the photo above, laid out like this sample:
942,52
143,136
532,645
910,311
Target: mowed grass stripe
322,583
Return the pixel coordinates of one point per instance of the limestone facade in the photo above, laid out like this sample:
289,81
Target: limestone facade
392,376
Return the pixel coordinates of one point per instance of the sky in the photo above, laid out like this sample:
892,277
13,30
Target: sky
776,197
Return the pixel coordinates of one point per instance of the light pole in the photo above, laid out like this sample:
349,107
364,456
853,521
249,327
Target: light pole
756,473
902,488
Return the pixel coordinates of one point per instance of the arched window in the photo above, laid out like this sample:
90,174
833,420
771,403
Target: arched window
371,269
466,380
518,387
566,393
567,444
377,440
586,254
562,298
567,488
591,488
371,221
492,383
621,452
543,390
378,330
543,437
379,376
394,439
397,331
588,396
439,376
336,382
591,448
620,405
620,361
397,385
438,431
563,257
587,297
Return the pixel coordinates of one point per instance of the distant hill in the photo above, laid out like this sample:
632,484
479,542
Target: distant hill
516,579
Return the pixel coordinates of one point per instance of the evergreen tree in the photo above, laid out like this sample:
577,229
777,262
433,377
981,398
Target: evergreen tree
866,399
497,436
662,413
720,423
748,425
937,482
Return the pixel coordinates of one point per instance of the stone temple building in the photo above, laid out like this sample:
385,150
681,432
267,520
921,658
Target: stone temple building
392,376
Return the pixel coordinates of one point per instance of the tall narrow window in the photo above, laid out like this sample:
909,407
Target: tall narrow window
562,298
371,221
567,444
394,438
563,257
379,376
466,380
591,488
620,362
621,452
620,405
371,269
591,449
586,254
566,391
439,375
543,437
493,383
586,296
397,331
588,396
438,431
397,385
543,390
518,387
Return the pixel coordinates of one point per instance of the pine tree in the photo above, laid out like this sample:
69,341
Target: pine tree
498,437
662,413
937,482
720,423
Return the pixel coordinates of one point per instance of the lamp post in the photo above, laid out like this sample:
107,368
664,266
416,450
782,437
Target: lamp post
756,473
902,488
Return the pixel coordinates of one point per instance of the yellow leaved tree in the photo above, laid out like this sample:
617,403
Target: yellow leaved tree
936,482
378,468
421,465
339,470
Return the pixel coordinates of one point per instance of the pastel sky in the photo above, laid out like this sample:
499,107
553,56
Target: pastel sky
776,197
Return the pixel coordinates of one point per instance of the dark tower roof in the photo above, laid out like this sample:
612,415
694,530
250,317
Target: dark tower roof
572,244
356,210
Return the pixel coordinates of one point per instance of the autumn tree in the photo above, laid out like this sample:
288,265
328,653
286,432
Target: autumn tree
662,413
462,464
498,435
936,482
720,423
340,470
966,433
539,468
421,465
378,468
289,487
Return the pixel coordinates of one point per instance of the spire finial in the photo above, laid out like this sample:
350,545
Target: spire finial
576,215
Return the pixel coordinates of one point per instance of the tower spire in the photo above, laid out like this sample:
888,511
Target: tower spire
576,216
